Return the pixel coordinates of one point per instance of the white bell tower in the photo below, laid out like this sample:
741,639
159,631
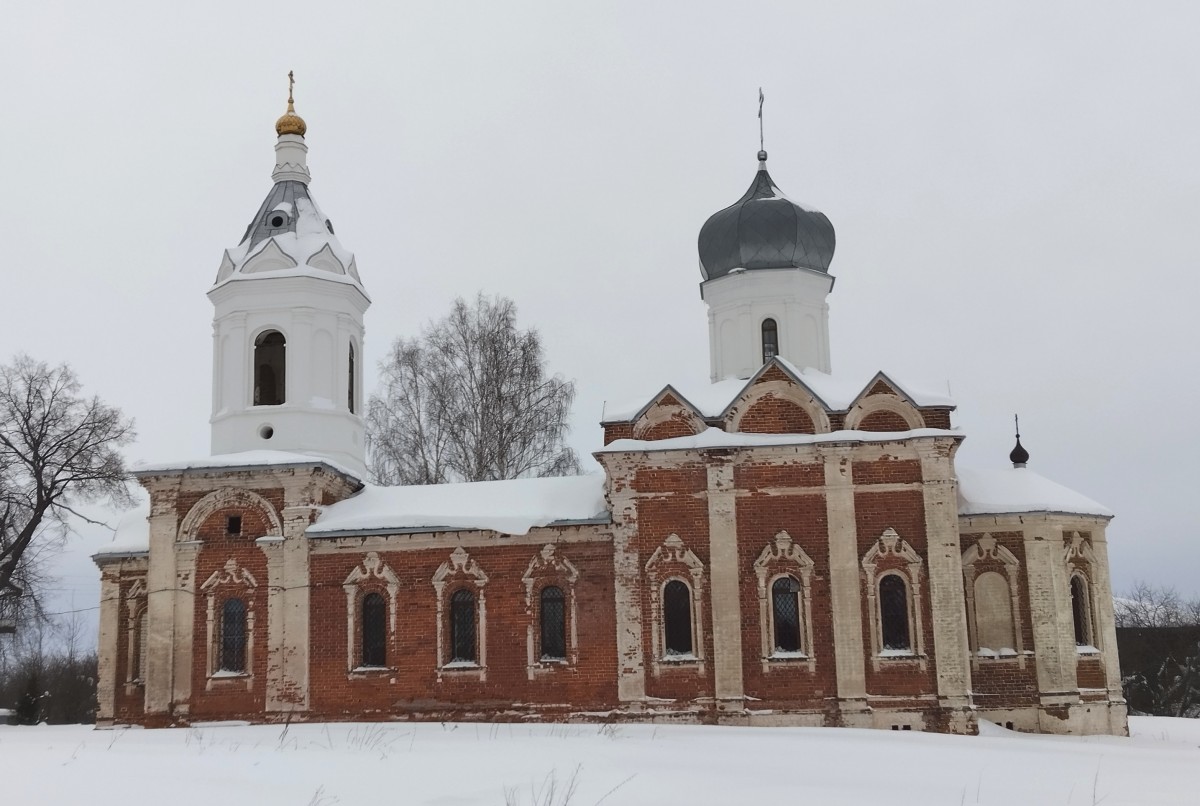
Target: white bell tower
288,325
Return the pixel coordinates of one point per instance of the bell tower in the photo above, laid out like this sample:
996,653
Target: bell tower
288,324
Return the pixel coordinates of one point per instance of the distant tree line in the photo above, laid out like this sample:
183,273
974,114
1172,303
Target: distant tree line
1158,637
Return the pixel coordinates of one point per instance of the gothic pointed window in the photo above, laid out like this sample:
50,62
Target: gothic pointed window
1080,612
677,618
270,382
350,383
233,636
785,614
462,627
553,624
770,340
374,630
893,613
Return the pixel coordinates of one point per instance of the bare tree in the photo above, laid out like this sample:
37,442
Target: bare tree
1158,631
57,449
469,400
1147,605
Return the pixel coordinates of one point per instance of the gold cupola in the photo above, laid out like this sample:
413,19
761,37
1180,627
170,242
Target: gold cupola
290,123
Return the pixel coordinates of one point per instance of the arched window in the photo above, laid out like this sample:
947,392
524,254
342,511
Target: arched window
374,630
1081,612
785,614
554,624
893,613
462,627
270,382
677,618
770,340
233,636
350,383
993,613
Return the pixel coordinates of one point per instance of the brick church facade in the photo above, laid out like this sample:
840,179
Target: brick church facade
779,547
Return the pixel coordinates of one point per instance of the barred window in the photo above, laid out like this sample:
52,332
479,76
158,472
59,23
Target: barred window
462,627
770,340
677,618
233,636
785,614
893,613
554,624
374,630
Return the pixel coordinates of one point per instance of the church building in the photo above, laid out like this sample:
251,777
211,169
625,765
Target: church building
781,546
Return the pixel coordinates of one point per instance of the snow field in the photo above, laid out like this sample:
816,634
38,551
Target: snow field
465,764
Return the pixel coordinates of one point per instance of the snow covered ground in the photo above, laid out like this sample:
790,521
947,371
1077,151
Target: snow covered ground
460,764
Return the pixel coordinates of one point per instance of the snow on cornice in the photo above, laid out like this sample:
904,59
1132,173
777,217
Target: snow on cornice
245,460
716,438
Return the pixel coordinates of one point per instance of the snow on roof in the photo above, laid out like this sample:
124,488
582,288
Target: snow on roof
1011,490
512,506
132,535
711,400
242,459
716,438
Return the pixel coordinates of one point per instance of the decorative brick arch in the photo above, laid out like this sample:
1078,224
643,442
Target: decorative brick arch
227,498
883,412
666,418
778,407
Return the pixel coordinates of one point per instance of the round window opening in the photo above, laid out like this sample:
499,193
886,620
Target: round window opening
266,432
277,221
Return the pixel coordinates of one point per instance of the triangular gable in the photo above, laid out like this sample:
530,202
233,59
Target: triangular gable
269,258
881,384
666,392
774,370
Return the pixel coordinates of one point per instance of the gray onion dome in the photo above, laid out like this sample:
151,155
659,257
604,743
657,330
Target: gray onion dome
765,230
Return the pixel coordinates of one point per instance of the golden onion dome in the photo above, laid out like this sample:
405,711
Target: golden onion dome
290,123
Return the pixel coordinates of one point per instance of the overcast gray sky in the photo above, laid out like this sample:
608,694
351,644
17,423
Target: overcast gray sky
1013,187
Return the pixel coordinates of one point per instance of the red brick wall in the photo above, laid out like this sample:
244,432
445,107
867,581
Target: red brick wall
615,431
412,653
936,418
776,415
887,471
755,476
884,421
788,684
904,511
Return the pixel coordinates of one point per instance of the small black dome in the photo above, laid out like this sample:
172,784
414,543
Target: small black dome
1019,456
765,230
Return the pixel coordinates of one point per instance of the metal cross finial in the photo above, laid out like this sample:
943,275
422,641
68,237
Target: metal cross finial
291,83
761,98
1017,425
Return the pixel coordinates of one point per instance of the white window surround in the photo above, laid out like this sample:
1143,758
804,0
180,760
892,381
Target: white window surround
369,577
1080,560
231,582
675,561
784,558
874,403
458,572
135,635
545,569
897,557
988,550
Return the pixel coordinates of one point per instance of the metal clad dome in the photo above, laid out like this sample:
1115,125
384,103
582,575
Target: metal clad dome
765,230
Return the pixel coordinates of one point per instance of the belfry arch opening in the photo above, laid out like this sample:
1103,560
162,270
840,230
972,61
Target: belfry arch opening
270,364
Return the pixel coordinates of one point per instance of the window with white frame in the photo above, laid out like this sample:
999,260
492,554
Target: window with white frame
371,589
552,636
231,594
892,573
459,584
991,575
785,572
676,578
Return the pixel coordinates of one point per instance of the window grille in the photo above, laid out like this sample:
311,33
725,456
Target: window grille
462,627
770,340
785,602
677,618
893,613
374,632
554,624
233,636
